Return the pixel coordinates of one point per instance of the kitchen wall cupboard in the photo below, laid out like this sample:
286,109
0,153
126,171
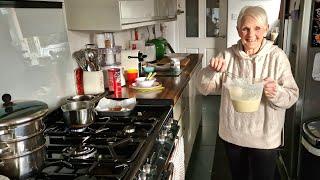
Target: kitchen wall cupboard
187,111
117,15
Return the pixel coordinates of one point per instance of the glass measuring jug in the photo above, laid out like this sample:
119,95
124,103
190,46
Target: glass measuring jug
245,93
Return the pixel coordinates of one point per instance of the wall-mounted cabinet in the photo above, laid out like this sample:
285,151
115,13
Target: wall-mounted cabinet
117,15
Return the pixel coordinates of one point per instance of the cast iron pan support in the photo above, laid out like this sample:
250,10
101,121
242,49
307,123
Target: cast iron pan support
140,58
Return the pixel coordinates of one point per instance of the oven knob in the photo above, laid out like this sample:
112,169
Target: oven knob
142,176
163,135
146,168
168,125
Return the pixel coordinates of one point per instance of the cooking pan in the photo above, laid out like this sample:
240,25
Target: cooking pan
80,113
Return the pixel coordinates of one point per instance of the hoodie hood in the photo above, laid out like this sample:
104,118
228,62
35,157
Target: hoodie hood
266,47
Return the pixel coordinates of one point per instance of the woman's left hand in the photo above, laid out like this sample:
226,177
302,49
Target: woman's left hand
269,87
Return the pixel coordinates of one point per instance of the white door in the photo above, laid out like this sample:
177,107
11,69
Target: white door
201,28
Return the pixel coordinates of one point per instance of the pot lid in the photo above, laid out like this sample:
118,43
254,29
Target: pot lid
18,112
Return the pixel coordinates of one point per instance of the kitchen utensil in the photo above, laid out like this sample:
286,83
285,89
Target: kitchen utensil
106,56
78,114
148,69
90,66
91,54
132,74
151,76
245,93
19,119
110,107
155,86
150,89
22,166
21,137
21,147
150,73
80,98
231,74
91,98
80,58
144,82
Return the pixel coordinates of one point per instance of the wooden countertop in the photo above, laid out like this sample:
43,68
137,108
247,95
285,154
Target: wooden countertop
174,86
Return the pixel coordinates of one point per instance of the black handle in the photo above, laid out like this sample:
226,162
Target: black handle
170,47
6,98
140,56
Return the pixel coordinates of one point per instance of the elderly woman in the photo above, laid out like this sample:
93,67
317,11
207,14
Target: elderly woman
251,138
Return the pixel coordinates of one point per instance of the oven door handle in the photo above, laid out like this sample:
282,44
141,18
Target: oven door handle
168,173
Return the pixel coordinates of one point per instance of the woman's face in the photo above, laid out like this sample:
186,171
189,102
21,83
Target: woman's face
251,33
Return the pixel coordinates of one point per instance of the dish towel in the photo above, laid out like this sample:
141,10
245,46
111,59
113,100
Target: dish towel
177,159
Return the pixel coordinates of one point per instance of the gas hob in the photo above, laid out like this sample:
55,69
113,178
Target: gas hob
110,148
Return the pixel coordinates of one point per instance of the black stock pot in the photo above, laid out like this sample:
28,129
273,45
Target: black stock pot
22,143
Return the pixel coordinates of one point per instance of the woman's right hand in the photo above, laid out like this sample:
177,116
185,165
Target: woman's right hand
218,64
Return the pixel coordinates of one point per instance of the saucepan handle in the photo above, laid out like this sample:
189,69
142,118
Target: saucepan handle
5,131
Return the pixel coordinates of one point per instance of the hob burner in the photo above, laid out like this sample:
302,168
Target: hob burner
79,152
78,129
129,129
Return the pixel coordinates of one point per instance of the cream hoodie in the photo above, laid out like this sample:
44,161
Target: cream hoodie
260,129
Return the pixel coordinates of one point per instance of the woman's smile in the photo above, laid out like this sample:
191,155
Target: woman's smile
252,33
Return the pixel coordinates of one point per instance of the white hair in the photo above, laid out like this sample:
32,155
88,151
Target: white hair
257,12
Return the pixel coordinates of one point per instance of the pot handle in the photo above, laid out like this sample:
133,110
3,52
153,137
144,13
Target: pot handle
5,149
5,131
1,163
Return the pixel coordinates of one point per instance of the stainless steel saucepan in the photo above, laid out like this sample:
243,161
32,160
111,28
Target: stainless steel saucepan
79,113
